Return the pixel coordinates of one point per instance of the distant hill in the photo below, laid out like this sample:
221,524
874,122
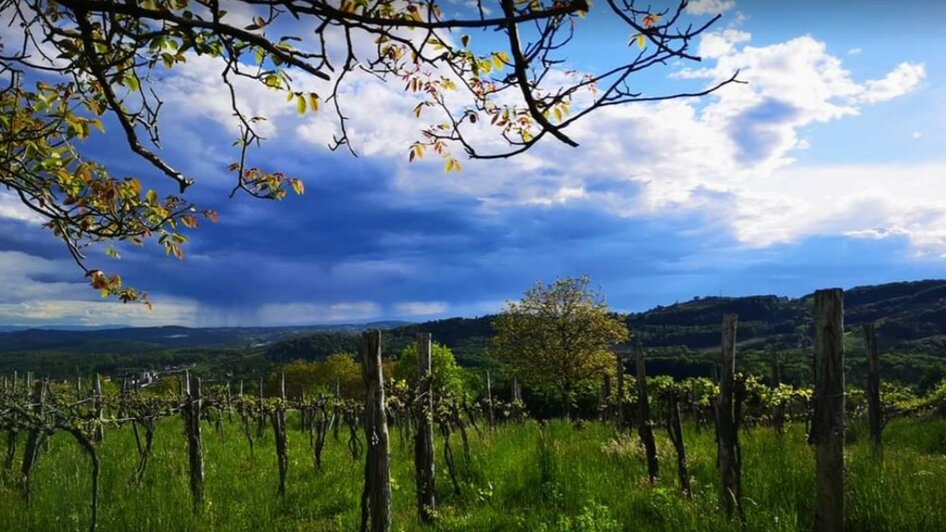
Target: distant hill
911,316
682,339
908,315
138,339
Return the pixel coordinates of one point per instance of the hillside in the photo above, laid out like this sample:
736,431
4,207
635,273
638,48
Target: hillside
682,338
124,340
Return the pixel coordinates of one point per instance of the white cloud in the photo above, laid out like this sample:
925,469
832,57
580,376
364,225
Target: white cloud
421,308
731,153
858,200
718,44
901,80
917,135
53,312
710,7
12,208
855,51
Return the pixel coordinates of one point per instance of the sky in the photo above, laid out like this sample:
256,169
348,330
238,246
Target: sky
826,169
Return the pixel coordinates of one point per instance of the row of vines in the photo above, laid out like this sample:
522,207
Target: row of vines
32,410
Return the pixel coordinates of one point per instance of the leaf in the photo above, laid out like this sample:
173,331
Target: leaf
452,165
131,81
640,41
300,104
498,62
313,102
151,196
112,252
297,186
465,40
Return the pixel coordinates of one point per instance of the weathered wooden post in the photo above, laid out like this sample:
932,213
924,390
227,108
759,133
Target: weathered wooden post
874,412
490,416
229,404
827,426
99,433
644,427
604,397
11,435
279,428
516,390
729,459
675,430
34,438
778,410
376,496
424,438
620,391
195,454
260,412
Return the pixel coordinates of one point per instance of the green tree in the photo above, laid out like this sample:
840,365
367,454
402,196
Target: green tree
447,374
79,64
558,336
301,377
342,368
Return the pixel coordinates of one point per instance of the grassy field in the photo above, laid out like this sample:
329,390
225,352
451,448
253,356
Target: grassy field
557,477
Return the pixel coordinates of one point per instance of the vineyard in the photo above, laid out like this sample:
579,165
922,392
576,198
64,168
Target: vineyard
722,452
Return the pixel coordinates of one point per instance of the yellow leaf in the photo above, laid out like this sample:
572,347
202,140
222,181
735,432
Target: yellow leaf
640,41
313,101
300,104
297,186
452,165
498,62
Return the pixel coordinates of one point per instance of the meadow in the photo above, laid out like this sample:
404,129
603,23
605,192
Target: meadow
535,476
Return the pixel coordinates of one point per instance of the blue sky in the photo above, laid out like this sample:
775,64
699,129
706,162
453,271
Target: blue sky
827,169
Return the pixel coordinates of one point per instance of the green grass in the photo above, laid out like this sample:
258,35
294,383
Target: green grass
552,478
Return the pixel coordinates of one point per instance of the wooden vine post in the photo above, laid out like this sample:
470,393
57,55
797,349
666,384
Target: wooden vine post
516,390
874,412
604,397
376,496
644,428
827,426
729,460
490,415
279,428
34,437
424,437
99,434
620,391
778,410
675,430
11,435
192,406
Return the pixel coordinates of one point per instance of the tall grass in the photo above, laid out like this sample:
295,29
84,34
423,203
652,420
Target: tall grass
530,477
